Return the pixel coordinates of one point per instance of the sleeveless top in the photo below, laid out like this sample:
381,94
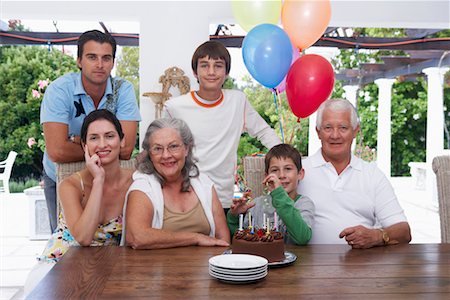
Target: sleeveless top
107,234
191,221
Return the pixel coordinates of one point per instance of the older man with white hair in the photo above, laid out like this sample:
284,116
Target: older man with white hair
355,202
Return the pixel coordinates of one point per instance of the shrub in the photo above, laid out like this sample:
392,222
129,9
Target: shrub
20,186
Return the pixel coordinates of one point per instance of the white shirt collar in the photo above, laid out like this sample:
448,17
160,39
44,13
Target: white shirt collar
317,160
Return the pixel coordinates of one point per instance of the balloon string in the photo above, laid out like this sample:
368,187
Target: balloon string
281,113
296,128
275,93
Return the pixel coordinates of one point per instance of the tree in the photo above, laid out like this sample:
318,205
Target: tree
128,66
408,111
22,67
262,99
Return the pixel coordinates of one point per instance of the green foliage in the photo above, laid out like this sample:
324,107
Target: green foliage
380,32
408,122
295,129
229,84
352,59
367,105
257,95
262,100
447,113
128,66
22,67
442,34
20,186
408,110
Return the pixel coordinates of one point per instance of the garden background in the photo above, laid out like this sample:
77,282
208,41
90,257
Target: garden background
27,70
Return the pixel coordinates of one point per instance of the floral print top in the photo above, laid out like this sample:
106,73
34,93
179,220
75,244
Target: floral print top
108,234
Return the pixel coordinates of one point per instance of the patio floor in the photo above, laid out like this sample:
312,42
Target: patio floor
18,253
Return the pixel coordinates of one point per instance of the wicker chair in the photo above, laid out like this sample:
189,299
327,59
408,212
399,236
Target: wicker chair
64,170
441,166
254,174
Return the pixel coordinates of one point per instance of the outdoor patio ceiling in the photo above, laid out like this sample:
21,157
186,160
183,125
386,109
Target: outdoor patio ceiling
420,51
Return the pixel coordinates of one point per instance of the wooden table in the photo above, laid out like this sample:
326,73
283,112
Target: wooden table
321,271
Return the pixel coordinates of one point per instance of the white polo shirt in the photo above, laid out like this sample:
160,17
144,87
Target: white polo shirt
360,195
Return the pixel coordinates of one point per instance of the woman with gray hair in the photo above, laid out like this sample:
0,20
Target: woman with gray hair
170,204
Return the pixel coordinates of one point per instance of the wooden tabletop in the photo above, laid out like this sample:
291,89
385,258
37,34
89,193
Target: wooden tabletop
321,271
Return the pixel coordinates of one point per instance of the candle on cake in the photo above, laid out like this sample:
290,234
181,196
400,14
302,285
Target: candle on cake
250,222
241,222
275,221
264,220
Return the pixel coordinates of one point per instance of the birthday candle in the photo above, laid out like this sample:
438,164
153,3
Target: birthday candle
264,221
250,219
241,222
268,226
275,220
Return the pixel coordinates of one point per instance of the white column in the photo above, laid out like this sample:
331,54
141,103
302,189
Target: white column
313,140
350,93
384,125
314,143
163,44
435,122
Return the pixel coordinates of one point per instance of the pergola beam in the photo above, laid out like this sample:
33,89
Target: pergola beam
420,48
58,38
132,39
404,44
357,77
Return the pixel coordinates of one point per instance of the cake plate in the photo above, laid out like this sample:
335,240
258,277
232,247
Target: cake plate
290,259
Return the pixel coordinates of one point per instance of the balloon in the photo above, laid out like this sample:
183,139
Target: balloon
267,53
250,13
309,82
305,21
282,86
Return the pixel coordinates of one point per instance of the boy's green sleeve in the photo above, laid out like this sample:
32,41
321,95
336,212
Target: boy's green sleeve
297,228
232,222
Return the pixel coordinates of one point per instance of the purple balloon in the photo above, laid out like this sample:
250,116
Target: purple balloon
282,86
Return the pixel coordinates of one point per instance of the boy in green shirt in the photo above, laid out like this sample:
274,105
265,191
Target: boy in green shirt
283,168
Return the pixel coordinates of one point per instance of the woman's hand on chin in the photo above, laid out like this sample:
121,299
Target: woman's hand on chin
94,165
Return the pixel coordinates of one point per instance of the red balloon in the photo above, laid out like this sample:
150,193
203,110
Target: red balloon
309,82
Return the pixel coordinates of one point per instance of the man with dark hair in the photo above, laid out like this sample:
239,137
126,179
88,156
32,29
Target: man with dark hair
71,97
217,118
96,36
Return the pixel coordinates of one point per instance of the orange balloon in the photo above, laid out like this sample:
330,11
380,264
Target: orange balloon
305,21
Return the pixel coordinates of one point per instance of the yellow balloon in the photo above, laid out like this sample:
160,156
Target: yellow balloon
250,13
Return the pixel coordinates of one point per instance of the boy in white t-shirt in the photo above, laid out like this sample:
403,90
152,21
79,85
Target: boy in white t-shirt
217,118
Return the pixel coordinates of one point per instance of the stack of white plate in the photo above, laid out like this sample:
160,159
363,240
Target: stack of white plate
238,268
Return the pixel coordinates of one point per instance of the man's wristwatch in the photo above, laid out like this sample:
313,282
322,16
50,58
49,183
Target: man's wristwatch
385,236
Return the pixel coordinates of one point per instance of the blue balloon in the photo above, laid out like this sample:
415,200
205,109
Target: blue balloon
267,53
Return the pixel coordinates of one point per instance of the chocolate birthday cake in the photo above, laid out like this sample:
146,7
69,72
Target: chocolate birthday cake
268,244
